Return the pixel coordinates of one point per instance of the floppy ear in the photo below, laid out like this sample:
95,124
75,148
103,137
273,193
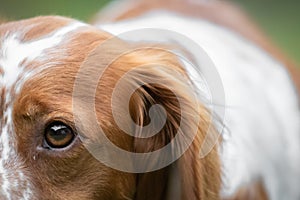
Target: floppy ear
165,119
163,82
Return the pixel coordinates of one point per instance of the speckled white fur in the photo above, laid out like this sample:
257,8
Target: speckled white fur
12,53
262,112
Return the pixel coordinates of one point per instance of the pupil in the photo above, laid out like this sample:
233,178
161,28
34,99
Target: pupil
59,132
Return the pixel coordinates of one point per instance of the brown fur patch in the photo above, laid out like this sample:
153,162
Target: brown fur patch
2,20
254,191
34,28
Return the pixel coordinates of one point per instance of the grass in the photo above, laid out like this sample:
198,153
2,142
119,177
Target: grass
279,19
83,10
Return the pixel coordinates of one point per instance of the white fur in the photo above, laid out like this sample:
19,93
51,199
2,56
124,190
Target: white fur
12,53
262,113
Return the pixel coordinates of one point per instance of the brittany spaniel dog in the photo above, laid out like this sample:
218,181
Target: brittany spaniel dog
158,100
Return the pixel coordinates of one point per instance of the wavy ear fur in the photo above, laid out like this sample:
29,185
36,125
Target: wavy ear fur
189,178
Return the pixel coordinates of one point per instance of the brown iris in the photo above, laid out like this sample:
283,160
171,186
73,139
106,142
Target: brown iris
58,135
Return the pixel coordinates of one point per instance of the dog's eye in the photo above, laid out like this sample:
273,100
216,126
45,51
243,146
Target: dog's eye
58,135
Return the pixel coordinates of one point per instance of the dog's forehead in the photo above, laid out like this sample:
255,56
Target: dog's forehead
22,43
28,48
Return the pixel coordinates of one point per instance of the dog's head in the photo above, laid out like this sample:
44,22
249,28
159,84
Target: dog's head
43,154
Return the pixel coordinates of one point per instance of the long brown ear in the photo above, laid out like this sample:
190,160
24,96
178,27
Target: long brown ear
167,85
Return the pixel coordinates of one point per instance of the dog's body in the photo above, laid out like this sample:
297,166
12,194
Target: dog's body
256,98
39,63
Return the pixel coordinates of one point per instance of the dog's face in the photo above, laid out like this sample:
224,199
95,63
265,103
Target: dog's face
42,154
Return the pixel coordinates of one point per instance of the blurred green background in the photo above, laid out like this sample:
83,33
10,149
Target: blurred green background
279,19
